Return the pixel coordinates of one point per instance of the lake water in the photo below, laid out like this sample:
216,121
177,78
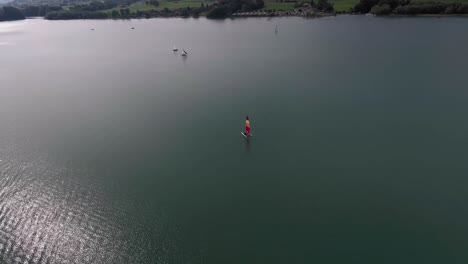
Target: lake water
115,149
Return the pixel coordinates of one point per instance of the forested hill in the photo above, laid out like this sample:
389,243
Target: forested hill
8,13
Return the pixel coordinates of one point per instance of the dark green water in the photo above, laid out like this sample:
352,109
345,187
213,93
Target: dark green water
114,149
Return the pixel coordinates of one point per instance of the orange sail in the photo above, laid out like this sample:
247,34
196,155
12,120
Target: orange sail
247,125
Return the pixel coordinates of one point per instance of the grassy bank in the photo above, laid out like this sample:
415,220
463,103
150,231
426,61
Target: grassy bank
278,6
171,5
343,5
338,5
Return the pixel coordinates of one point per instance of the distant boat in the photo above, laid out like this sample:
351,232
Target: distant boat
175,48
184,53
247,133
133,28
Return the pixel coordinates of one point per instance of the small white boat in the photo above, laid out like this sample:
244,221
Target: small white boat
184,53
175,48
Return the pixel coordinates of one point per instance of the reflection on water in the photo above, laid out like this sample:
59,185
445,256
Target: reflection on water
247,145
51,213
10,28
48,218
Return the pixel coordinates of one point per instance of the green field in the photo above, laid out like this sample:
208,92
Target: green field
162,4
338,5
278,6
343,5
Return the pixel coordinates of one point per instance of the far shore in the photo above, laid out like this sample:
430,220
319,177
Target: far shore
427,15
264,15
275,14
269,15
222,9
306,13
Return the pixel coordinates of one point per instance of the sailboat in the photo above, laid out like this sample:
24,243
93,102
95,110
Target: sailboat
184,53
175,48
246,133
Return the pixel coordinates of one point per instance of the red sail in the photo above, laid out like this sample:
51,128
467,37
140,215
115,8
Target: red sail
247,125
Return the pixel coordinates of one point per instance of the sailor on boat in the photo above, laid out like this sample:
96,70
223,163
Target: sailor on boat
247,133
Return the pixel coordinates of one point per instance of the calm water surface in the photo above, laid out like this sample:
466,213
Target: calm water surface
114,149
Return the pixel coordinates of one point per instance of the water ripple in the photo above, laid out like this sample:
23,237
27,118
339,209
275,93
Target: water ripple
56,213
46,220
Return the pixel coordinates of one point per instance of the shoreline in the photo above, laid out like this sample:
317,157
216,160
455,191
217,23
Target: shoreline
267,15
260,15
427,15
294,13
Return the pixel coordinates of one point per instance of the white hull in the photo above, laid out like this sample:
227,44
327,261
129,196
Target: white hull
246,135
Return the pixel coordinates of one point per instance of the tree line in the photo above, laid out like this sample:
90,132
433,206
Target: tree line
220,9
323,5
36,11
83,11
225,8
406,7
94,10
9,13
